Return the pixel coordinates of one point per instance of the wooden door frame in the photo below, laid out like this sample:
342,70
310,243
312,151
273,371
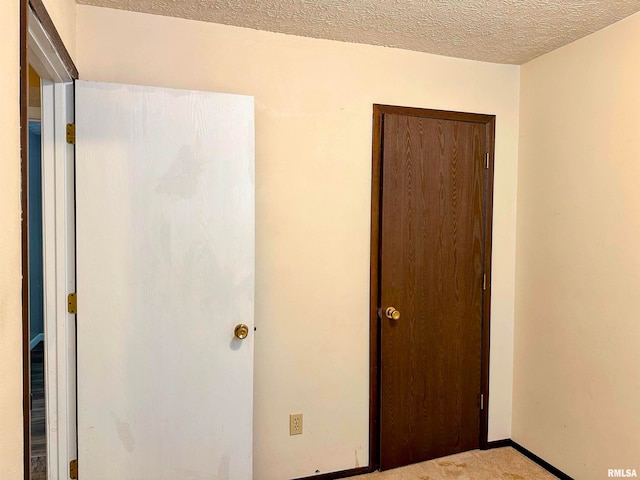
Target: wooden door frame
374,325
40,45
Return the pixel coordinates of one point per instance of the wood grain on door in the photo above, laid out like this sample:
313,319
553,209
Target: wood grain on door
431,267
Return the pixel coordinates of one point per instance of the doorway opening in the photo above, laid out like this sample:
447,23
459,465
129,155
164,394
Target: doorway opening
36,284
432,189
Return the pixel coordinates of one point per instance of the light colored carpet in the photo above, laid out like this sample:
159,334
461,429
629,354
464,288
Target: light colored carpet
497,464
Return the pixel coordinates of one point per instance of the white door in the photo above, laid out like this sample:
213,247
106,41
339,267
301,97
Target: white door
165,258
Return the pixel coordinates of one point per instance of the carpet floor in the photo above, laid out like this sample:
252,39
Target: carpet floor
497,464
38,415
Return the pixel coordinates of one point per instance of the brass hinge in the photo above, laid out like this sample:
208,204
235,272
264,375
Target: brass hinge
482,401
71,133
486,165
73,469
484,281
72,303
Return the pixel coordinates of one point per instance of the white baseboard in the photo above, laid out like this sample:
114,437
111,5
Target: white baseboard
36,340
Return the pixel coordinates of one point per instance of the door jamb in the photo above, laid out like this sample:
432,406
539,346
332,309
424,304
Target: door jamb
40,45
376,221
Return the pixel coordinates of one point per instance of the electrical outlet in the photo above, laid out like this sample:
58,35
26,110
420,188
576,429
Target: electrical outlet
295,424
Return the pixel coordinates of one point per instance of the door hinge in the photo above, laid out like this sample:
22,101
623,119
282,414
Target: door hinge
73,469
484,281
71,133
482,401
486,164
72,303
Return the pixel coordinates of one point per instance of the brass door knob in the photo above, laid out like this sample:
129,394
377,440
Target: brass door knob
241,331
392,313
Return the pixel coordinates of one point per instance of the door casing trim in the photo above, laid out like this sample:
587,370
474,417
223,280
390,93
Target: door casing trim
41,45
374,280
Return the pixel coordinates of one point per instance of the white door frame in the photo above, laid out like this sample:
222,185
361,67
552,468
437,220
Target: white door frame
59,248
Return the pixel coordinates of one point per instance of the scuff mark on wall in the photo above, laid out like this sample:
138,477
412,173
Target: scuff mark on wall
223,468
124,433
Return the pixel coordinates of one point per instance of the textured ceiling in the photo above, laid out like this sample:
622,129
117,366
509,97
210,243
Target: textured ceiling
501,31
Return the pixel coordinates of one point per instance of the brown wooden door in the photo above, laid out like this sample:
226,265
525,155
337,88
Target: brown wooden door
433,247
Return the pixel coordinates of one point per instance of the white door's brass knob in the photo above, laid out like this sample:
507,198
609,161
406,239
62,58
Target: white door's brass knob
241,331
392,313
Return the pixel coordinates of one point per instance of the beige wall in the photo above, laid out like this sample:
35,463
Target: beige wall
63,14
10,257
577,362
313,122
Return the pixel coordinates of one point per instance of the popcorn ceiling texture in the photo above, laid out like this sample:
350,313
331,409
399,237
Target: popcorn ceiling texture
500,31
